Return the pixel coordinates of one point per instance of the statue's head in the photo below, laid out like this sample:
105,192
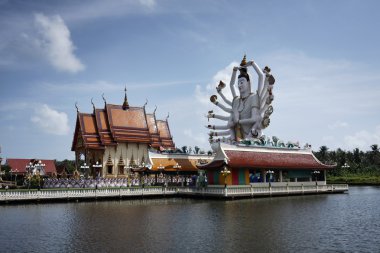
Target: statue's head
244,86
244,83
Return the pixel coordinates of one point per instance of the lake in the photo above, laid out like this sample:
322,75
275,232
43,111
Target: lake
312,223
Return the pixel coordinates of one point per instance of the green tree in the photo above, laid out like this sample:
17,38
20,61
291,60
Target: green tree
322,154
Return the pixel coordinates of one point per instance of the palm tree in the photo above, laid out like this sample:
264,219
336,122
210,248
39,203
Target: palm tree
323,153
374,154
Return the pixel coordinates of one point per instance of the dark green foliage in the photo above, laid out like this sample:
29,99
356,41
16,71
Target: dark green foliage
355,165
69,165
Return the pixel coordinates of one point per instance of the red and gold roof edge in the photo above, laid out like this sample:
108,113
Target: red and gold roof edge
110,134
266,158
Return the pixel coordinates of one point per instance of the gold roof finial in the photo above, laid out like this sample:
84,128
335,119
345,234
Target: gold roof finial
244,61
125,104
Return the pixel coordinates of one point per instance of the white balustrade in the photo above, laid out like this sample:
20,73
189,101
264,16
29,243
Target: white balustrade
221,190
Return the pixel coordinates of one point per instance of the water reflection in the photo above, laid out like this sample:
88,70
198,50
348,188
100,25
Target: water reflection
319,223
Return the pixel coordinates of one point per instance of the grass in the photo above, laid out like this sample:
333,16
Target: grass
354,179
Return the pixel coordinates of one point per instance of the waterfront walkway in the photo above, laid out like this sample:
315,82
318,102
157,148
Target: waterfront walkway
129,192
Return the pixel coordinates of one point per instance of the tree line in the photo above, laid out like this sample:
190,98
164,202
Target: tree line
351,162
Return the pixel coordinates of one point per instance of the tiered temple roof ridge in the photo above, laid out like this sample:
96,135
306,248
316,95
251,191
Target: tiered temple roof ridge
116,124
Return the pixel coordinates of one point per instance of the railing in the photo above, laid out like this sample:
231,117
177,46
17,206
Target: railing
236,191
217,191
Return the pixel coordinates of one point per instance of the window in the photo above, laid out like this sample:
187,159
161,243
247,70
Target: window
121,169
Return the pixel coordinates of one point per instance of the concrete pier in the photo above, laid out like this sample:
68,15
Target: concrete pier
217,191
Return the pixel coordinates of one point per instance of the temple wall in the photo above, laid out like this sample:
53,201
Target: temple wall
127,151
236,177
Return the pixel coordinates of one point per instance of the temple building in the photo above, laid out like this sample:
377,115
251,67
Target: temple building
110,141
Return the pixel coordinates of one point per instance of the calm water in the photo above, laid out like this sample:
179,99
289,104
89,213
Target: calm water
320,223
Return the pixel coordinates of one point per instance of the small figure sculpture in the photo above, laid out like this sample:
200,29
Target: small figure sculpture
248,113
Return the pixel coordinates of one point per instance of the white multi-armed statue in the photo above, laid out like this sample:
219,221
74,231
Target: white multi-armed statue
248,113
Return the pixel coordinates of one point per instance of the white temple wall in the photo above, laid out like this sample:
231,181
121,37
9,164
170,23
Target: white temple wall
125,150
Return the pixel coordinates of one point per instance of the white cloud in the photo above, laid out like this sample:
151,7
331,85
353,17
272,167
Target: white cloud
363,139
198,138
54,40
222,75
148,3
202,95
338,124
51,121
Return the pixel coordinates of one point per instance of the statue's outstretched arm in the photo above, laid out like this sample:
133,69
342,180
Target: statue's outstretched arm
213,127
229,110
232,82
223,97
220,133
216,116
261,75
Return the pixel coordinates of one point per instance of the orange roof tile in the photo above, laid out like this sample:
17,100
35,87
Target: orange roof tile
165,136
128,125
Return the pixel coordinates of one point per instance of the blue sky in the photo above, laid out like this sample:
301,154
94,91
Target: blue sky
324,55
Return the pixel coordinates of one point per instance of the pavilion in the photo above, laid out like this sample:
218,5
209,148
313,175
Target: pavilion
249,164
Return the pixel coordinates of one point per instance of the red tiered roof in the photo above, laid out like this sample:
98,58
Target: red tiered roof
103,127
153,130
128,125
165,136
113,124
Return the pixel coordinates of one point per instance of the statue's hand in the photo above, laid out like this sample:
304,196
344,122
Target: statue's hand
235,68
250,63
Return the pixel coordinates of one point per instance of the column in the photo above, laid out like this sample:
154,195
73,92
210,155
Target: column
264,176
280,175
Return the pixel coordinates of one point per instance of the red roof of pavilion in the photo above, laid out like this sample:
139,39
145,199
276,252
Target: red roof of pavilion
264,157
19,165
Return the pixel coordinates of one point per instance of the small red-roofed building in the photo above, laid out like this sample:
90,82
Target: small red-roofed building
244,164
21,166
